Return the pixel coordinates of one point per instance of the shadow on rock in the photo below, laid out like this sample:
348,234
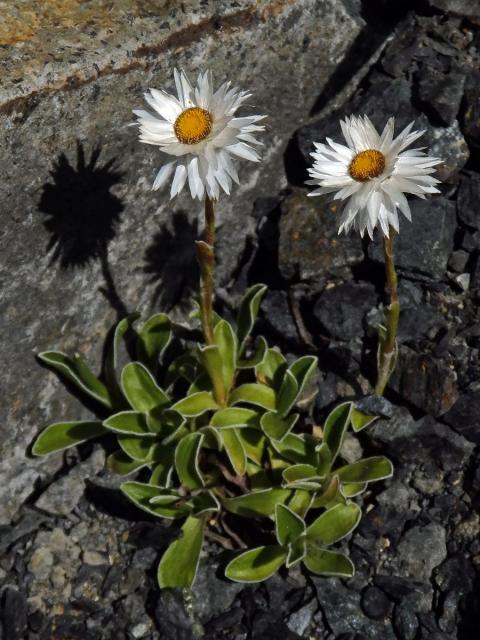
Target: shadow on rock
82,215
171,262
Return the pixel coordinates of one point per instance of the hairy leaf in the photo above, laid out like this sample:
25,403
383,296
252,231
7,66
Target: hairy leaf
76,371
288,525
196,404
111,359
235,451
257,503
256,565
328,563
186,460
287,394
120,463
336,426
276,427
128,422
226,341
178,566
141,495
334,524
257,394
366,470
361,420
62,435
235,417
248,314
152,340
140,388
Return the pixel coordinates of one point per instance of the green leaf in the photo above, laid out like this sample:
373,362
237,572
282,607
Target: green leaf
253,442
128,422
235,451
328,563
367,470
185,366
141,495
186,460
164,423
352,489
287,394
120,463
205,502
296,552
301,502
163,459
247,313
297,448
304,369
257,358
324,459
152,340
257,503
178,566
257,394
140,388
299,472
226,341
196,404
334,524
136,447
329,494
211,360
272,369
361,420
256,565
336,426
288,525
62,435
276,427
111,359
76,371
234,417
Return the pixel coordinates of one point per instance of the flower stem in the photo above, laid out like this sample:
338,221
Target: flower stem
388,339
206,260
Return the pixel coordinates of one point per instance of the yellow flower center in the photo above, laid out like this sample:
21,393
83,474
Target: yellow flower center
193,125
366,165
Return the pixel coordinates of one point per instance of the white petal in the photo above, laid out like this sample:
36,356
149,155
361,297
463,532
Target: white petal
163,175
178,180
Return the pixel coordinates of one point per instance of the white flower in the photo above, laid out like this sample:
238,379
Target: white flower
200,130
372,174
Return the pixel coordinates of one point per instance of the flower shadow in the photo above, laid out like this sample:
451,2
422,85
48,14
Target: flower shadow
82,215
171,262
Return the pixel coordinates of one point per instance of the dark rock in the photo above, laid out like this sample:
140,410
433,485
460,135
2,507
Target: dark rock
421,441
468,200
267,626
455,578
448,144
442,92
375,406
460,7
425,381
310,248
405,623
212,595
410,593
14,614
421,550
300,620
458,261
464,415
276,313
171,616
341,309
343,614
375,603
395,506
432,228
471,112
419,322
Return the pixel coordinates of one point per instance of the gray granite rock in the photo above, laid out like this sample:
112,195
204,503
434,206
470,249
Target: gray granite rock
421,549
